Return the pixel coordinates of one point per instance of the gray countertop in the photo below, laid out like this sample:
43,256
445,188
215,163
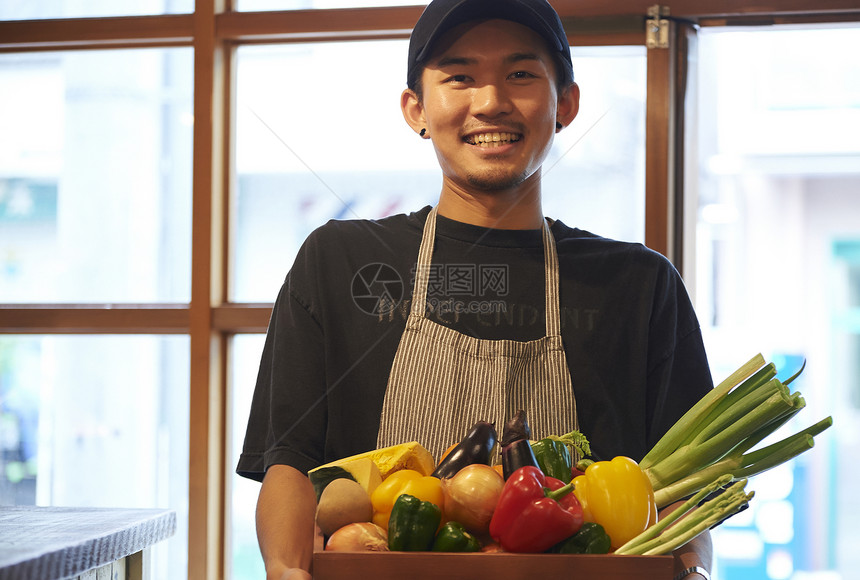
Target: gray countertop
50,543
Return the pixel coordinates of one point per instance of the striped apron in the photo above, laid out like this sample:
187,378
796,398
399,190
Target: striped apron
442,381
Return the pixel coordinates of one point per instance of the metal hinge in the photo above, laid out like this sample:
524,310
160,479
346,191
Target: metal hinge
657,27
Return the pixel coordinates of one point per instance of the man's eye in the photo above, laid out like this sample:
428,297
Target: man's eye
522,74
457,79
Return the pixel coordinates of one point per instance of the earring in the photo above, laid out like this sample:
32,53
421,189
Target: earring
558,126
423,132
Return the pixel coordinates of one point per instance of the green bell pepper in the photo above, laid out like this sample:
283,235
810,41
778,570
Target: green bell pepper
413,524
590,539
553,458
453,537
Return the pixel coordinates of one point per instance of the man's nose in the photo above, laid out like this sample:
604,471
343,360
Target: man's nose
491,100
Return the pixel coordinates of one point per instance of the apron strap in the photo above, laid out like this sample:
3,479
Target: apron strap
550,258
422,268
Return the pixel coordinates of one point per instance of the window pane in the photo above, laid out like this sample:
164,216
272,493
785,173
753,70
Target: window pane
259,5
778,251
30,10
594,178
98,421
246,562
95,176
343,150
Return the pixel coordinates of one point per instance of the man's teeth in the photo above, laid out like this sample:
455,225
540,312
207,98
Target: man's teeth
493,139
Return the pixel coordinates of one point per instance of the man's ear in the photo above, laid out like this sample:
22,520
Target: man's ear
413,110
568,104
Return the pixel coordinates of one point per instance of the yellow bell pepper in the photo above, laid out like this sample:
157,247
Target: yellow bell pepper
425,488
617,495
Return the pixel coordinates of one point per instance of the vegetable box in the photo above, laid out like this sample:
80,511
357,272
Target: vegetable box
480,566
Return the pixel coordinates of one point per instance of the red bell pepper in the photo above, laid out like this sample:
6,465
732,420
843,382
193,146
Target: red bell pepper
534,512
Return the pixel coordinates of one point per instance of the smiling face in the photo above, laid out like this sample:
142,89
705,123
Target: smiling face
490,103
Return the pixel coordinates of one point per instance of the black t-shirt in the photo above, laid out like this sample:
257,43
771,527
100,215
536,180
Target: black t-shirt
631,337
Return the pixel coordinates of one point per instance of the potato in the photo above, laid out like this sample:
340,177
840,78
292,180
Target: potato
343,502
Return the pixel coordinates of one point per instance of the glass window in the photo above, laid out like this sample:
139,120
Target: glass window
245,562
95,176
594,178
27,10
778,247
320,135
98,421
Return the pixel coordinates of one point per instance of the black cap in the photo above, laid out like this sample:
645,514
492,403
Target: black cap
441,16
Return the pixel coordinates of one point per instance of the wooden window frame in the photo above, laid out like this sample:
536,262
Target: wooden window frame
214,31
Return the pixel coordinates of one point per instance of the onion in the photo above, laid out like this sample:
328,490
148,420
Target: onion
358,537
471,496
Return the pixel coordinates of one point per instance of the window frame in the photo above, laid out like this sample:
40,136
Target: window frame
214,31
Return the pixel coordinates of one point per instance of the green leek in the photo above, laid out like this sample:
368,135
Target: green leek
714,438
678,432
759,382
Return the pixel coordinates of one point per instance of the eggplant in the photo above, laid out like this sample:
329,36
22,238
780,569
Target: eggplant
475,447
516,428
516,448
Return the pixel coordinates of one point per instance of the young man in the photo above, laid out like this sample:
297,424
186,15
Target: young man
413,327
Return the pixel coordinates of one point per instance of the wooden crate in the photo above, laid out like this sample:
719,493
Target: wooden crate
496,566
